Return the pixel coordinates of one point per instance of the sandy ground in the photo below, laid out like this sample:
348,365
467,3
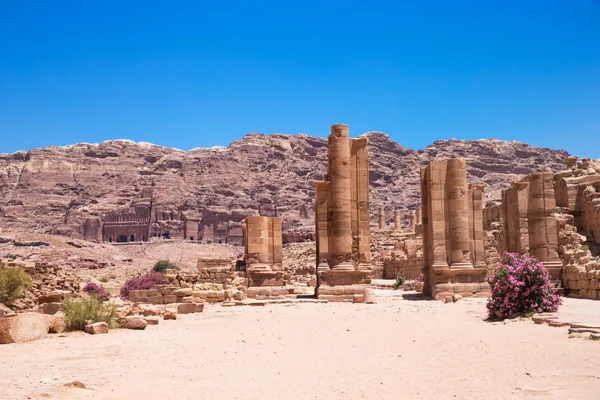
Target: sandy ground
399,348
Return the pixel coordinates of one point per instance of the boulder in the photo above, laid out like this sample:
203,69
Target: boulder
184,292
169,315
369,296
54,297
20,328
97,328
136,323
55,324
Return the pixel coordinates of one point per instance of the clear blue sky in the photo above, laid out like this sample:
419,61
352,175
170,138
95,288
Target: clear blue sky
204,73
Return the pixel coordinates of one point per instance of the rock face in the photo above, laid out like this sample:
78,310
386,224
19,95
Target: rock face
68,190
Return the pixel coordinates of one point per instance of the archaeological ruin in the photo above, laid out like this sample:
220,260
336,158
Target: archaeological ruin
342,231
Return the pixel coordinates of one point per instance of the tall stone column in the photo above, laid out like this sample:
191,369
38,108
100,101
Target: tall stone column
397,220
361,231
412,221
381,219
436,175
276,241
458,214
476,221
543,225
322,222
419,216
341,217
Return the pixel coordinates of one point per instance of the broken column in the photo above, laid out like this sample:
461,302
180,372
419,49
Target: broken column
381,219
342,220
542,221
448,260
412,224
263,256
397,224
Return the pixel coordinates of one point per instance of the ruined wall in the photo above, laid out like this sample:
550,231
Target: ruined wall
406,257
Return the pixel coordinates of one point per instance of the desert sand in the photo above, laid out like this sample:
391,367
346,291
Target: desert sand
407,348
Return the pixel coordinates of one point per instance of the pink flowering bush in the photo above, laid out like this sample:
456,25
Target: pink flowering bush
93,289
147,281
520,285
420,278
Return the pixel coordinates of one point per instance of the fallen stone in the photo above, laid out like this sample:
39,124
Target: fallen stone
97,328
75,384
189,308
20,328
151,320
55,324
369,296
184,292
456,297
136,323
169,315
54,297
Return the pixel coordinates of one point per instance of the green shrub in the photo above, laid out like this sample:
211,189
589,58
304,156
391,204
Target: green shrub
163,265
14,282
585,247
400,280
78,311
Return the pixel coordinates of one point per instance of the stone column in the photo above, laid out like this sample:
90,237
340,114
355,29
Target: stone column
362,231
381,219
258,251
476,220
419,216
321,222
458,214
412,221
276,238
340,206
436,175
397,220
543,225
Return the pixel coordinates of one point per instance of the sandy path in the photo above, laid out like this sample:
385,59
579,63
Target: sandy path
395,349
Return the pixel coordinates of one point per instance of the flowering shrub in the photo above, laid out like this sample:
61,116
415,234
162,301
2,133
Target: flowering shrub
147,281
420,278
520,285
93,289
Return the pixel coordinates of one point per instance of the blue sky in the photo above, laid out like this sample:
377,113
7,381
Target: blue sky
198,74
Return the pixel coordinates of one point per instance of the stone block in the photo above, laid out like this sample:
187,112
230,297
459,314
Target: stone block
52,308
136,323
20,328
189,308
56,324
55,297
183,292
97,328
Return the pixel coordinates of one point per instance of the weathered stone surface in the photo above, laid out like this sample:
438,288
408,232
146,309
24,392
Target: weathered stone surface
52,308
56,324
168,315
25,327
97,328
136,323
189,308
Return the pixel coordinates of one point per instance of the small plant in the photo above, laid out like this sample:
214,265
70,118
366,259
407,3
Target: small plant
103,279
95,290
147,281
520,285
14,282
585,247
400,280
12,257
163,265
79,311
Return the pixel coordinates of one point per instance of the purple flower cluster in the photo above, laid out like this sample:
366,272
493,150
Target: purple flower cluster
147,281
420,278
520,285
93,289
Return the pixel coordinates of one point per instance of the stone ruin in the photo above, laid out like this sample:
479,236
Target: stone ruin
342,220
453,244
263,257
556,219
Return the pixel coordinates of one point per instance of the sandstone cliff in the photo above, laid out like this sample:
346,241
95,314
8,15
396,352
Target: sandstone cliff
54,189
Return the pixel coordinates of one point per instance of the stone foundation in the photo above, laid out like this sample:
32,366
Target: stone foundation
343,286
469,282
264,285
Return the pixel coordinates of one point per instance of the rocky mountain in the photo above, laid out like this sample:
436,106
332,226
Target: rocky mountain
54,189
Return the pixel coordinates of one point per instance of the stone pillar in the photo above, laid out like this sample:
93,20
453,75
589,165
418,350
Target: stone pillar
381,219
397,223
341,215
543,224
321,222
361,232
413,221
258,246
458,214
419,216
436,175
276,243
476,222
